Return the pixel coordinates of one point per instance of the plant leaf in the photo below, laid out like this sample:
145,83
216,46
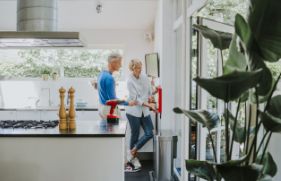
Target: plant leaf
230,86
243,30
265,178
206,118
265,22
234,162
274,106
266,81
256,61
201,169
239,173
240,134
220,40
270,122
263,98
269,165
236,60
245,96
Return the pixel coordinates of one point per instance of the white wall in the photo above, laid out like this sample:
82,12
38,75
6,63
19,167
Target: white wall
163,44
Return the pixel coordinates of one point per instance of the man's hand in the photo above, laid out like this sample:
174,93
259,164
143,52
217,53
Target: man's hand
132,103
151,99
94,84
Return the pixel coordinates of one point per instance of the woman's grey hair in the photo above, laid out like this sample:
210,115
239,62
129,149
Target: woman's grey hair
113,56
133,63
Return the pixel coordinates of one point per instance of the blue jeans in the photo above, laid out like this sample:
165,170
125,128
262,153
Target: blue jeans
135,124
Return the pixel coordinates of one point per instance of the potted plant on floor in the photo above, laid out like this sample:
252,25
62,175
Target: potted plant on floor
246,77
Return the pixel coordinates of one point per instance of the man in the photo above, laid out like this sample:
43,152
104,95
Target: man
106,85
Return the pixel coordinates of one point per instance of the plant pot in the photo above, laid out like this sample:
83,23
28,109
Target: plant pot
55,76
45,76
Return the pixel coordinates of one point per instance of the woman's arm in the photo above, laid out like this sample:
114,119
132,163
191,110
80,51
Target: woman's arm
150,106
133,93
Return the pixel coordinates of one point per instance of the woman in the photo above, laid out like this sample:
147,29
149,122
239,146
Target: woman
139,88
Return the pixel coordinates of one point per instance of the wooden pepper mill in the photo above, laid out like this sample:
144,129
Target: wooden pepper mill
71,113
62,111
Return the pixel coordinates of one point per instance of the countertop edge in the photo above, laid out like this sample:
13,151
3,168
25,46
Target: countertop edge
49,109
63,135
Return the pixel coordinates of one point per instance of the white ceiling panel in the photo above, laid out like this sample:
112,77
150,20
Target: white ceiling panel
81,14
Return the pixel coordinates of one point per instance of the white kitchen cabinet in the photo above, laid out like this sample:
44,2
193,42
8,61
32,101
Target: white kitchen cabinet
93,153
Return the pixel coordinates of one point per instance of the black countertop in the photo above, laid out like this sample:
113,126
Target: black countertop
83,129
50,109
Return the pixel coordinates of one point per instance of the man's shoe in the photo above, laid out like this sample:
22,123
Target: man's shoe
131,168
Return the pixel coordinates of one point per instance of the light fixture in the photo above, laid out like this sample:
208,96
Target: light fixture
37,27
99,7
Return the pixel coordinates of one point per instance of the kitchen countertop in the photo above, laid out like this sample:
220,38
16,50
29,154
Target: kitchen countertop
83,129
54,108
45,109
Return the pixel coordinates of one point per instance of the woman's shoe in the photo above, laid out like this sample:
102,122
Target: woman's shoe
136,162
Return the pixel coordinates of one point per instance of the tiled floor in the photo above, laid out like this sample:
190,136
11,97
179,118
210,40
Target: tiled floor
142,175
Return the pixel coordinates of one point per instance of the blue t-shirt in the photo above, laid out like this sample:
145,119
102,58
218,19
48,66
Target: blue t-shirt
106,87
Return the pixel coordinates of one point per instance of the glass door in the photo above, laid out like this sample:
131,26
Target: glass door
206,62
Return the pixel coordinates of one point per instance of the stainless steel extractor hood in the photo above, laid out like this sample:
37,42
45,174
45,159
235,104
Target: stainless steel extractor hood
37,27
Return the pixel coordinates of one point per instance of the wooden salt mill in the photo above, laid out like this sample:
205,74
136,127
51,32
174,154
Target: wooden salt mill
71,113
62,111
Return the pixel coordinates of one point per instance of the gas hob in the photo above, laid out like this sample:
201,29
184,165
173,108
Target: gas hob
28,124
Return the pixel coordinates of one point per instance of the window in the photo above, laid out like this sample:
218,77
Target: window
224,10
194,70
17,63
210,63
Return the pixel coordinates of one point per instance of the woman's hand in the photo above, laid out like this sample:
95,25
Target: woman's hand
152,106
132,103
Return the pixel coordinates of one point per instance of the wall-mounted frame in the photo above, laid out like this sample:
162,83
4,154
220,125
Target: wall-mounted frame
152,66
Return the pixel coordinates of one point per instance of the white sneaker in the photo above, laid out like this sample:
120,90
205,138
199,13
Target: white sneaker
131,168
135,161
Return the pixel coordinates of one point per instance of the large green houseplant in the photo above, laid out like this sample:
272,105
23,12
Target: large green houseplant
246,78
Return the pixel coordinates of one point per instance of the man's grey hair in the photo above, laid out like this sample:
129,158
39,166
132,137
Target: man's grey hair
113,56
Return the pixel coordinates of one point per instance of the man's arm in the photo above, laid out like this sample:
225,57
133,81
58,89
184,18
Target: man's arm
110,88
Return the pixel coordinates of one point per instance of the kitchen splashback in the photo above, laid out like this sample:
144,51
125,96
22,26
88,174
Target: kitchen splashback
32,93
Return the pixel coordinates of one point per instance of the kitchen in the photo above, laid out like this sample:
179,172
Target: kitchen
51,55
32,74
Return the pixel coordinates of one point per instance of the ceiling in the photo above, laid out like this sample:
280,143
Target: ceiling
75,15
